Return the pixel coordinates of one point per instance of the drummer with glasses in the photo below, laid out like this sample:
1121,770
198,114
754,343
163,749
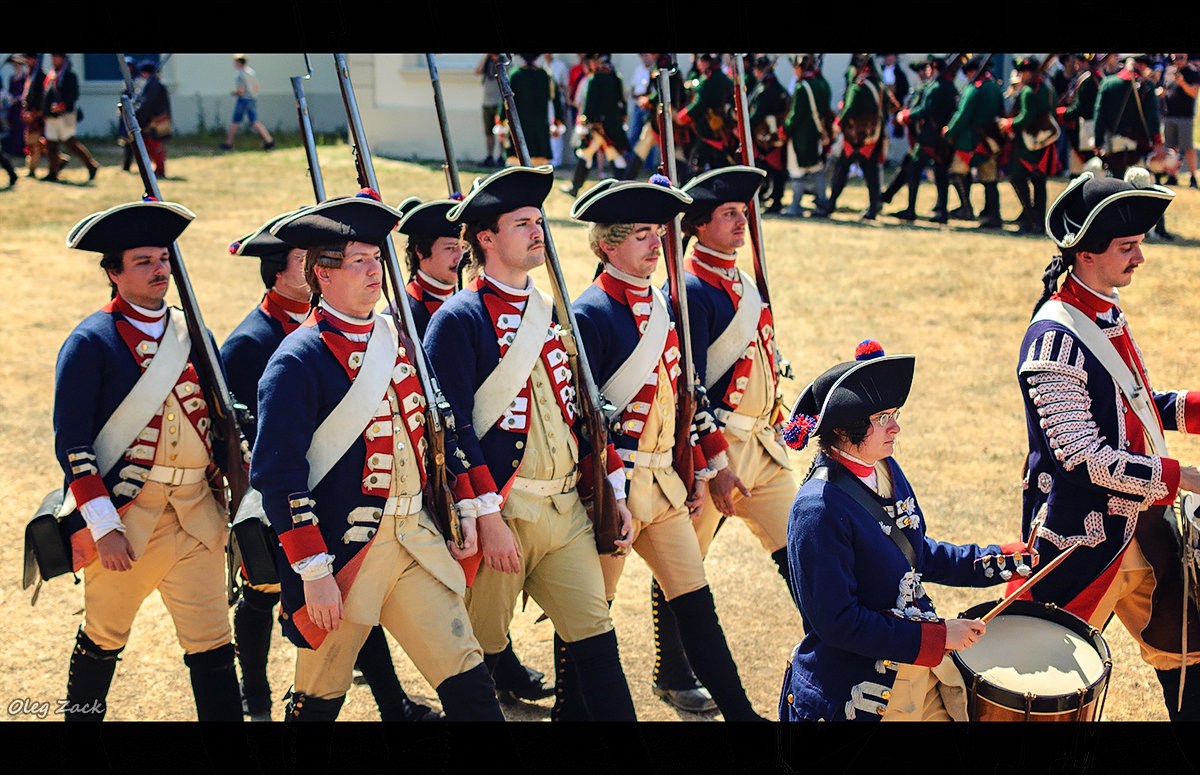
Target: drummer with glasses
874,648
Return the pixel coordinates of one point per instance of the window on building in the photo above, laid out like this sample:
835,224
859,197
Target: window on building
104,67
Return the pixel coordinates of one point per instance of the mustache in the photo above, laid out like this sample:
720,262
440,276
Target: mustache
159,278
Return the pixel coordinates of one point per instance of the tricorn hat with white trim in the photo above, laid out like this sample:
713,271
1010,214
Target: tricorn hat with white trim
504,191
1101,209
358,218
261,243
850,391
148,223
428,218
737,183
630,202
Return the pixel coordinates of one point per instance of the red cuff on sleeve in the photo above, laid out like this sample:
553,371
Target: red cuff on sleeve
85,488
713,444
1170,479
933,644
460,487
1191,412
481,480
302,542
698,461
1013,547
682,118
614,460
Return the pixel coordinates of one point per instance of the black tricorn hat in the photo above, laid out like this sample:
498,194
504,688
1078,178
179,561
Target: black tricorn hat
1104,209
630,202
737,183
261,243
850,391
1027,64
428,218
131,225
504,191
358,218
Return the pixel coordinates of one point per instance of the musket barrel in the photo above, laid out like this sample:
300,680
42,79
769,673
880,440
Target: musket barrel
310,144
439,104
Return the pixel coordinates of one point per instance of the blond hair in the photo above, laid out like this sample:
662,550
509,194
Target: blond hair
611,234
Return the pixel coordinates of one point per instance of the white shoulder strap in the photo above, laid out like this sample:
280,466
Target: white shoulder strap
512,372
352,414
624,384
1100,346
737,336
136,410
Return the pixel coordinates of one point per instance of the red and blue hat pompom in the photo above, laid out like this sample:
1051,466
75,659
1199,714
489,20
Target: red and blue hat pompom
369,193
660,180
867,350
233,248
798,430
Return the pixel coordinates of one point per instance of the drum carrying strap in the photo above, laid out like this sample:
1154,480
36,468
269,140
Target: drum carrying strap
837,476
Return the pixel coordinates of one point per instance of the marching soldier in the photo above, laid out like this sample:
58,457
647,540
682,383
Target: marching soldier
1078,108
625,327
649,140
710,115
934,106
345,495
809,126
971,133
434,252
535,92
602,122
733,338
504,370
1127,116
768,109
1035,135
245,353
862,120
132,433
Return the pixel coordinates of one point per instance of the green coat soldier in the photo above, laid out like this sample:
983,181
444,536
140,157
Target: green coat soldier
534,91
1077,116
602,123
1035,136
931,112
1127,118
710,115
809,126
768,108
971,133
863,140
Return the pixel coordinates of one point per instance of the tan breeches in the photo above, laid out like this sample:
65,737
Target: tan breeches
664,537
927,694
766,512
427,619
1129,597
189,577
559,569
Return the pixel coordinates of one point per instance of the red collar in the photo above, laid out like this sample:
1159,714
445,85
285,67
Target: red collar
120,304
1074,293
1126,75
287,303
482,281
427,286
860,470
345,326
617,288
709,256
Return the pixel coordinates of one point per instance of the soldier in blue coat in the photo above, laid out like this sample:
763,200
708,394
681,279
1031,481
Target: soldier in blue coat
1099,474
132,434
858,552
502,365
340,462
633,351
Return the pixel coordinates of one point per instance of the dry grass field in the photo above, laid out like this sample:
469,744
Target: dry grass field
956,297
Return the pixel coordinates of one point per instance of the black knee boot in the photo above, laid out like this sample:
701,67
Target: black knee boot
375,662
673,678
252,626
708,651
898,180
88,680
514,681
870,170
214,684
301,707
1191,693
578,178
597,668
913,174
989,216
941,183
841,171
470,696
568,701
1020,184
962,186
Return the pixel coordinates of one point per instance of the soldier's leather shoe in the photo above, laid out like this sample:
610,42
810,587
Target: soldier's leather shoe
534,688
939,216
406,710
907,214
963,213
694,700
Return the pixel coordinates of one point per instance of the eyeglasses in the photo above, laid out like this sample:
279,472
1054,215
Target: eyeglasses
882,420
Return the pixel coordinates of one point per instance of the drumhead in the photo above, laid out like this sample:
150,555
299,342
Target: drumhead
1026,654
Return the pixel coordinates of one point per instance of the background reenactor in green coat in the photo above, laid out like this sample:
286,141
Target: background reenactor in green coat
1127,119
974,136
534,91
711,116
602,123
934,106
862,120
1035,136
768,109
1077,112
809,126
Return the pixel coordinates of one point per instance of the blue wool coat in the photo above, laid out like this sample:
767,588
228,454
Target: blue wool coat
245,354
850,583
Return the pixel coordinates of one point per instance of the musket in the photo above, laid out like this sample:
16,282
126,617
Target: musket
439,418
221,411
606,522
306,132
685,402
754,216
450,167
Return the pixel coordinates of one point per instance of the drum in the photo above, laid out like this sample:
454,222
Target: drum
1036,662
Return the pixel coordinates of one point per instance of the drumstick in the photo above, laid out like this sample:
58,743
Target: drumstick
1006,602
